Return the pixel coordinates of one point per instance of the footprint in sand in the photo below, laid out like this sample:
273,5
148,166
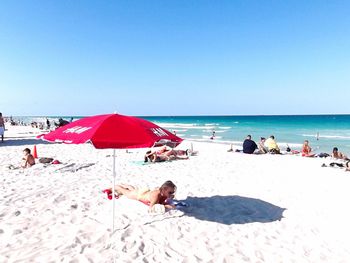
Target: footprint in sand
17,231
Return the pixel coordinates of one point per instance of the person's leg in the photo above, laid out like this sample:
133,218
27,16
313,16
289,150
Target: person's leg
129,193
127,186
170,152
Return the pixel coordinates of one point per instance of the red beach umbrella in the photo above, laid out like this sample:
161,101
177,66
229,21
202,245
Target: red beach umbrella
112,131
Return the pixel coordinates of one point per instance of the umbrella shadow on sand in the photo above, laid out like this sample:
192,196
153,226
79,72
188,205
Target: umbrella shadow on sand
232,210
22,141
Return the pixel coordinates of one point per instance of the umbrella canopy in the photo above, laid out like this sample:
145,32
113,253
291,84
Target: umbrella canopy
113,131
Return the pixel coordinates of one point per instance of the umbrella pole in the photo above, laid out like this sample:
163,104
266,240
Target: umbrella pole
113,190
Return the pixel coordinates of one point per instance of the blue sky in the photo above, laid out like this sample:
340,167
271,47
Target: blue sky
174,57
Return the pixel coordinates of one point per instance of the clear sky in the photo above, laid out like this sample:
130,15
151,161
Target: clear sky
174,57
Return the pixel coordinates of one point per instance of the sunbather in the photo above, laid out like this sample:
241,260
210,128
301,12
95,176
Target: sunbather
165,154
150,197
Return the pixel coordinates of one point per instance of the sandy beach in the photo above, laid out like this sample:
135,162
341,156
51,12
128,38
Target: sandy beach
242,208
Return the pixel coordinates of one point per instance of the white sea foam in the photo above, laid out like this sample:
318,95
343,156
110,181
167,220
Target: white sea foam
175,126
208,137
181,130
327,136
170,124
216,131
224,127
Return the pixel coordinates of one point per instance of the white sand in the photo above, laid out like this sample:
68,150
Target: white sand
243,208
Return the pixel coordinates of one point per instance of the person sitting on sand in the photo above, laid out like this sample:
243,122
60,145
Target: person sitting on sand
306,150
261,146
28,159
161,195
271,145
249,146
338,155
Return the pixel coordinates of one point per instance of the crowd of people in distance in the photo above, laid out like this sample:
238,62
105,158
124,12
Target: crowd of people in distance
270,146
47,124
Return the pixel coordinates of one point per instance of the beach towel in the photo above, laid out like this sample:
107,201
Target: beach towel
73,167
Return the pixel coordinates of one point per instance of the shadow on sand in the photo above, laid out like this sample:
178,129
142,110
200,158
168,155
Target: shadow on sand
12,141
232,210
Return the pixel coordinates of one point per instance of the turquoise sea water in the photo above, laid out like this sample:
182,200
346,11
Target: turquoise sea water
333,130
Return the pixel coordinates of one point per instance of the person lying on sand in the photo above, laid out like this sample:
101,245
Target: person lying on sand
165,154
162,195
28,159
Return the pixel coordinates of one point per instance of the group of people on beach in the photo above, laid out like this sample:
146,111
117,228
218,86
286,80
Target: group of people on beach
270,146
164,194
264,146
166,154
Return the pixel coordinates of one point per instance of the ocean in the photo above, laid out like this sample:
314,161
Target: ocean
323,131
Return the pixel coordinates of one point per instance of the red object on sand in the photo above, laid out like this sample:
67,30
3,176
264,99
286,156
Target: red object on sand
109,194
35,154
112,131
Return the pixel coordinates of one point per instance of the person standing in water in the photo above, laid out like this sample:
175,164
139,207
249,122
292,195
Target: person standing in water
212,135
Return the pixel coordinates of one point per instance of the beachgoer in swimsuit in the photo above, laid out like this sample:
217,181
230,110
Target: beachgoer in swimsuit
28,159
338,155
306,150
150,197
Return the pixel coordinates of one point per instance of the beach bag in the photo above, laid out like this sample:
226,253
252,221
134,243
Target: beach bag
323,155
45,160
274,151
